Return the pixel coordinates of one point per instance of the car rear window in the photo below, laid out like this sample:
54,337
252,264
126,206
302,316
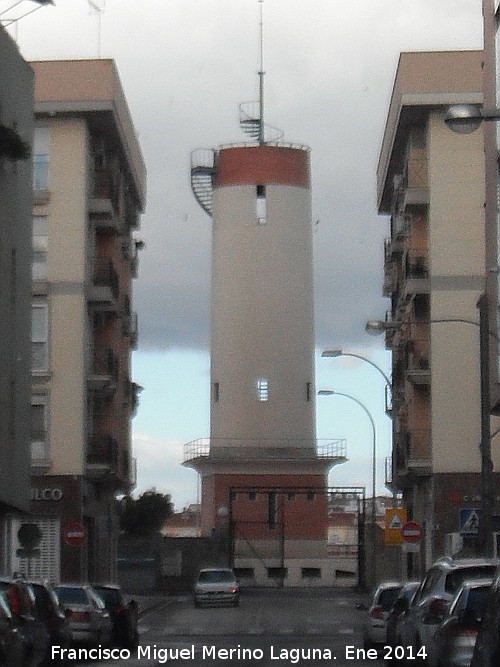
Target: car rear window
71,595
110,596
388,597
455,579
215,576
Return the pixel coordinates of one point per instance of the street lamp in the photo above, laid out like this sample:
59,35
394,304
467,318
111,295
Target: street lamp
330,392
375,327
341,353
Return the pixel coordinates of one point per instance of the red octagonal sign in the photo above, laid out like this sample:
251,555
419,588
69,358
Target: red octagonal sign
74,534
412,532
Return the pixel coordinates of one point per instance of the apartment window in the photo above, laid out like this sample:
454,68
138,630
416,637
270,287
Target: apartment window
263,389
39,336
40,246
261,204
41,155
39,449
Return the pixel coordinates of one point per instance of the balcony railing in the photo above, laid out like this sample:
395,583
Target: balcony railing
102,450
105,275
418,450
264,448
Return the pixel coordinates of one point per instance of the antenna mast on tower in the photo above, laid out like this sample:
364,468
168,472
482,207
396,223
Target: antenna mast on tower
261,77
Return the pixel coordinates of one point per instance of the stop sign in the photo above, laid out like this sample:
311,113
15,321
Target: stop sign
74,534
412,532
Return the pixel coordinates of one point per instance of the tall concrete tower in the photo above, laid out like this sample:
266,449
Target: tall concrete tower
263,476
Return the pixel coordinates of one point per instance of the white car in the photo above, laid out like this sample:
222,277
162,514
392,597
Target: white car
375,626
216,585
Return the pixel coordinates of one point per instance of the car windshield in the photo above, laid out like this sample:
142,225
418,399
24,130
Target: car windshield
215,576
388,597
455,579
74,595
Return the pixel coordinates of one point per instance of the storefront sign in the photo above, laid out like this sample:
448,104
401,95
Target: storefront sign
46,494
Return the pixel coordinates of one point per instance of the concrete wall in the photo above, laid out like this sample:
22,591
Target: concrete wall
456,261
16,112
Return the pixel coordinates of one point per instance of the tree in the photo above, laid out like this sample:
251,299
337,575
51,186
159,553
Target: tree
146,514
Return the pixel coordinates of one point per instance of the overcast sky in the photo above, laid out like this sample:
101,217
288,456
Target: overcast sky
185,66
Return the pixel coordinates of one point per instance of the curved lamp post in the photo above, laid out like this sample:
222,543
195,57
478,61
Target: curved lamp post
330,392
341,353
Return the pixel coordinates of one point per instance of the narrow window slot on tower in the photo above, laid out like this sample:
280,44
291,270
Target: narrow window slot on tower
216,392
271,510
261,205
262,389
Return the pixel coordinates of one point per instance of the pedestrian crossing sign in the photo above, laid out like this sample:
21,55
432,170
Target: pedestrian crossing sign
395,518
469,521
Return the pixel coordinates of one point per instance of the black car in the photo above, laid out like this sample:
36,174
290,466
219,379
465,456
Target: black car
21,603
398,609
14,645
123,614
52,615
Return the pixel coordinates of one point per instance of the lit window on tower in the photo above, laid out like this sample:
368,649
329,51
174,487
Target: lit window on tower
262,389
261,205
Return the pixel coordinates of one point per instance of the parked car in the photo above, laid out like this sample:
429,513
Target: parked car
52,615
21,603
14,645
216,585
399,608
487,647
375,625
123,614
454,640
432,599
89,620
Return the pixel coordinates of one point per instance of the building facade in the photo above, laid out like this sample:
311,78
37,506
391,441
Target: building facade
431,181
263,477
16,129
89,191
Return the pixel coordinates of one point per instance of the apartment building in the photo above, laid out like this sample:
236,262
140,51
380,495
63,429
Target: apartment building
16,129
431,181
89,191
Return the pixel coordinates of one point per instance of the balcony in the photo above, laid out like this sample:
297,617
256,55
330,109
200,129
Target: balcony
130,327
259,449
105,370
102,455
418,451
415,181
417,361
416,270
104,200
105,288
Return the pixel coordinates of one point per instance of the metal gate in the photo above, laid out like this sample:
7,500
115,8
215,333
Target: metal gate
262,532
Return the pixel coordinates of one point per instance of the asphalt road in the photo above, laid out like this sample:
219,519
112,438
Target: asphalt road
270,628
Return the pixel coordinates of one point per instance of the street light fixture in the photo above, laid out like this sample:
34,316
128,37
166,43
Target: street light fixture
341,353
331,392
466,118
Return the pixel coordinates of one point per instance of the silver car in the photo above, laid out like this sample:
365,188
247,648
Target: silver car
89,620
375,625
432,600
216,585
